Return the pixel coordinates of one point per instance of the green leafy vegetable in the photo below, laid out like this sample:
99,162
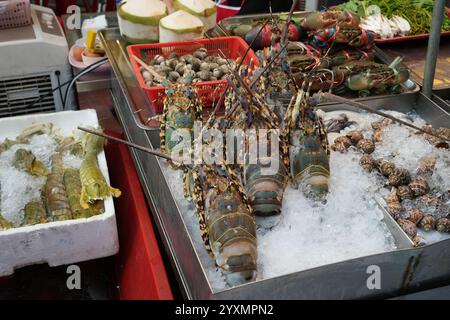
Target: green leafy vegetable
417,12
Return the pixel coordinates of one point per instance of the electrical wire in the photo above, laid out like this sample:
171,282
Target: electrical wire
58,78
83,72
86,70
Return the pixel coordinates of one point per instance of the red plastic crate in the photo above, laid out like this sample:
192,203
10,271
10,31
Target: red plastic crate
209,91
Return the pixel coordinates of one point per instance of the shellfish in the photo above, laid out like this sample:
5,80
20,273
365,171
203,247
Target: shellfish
341,144
227,225
366,145
428,222
25,160
415,215
386,168
405,192
419,187
443,225
354,136
34,213
408,226
398,177
367,162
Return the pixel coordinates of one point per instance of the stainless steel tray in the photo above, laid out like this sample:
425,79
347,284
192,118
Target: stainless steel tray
402,271
142,108
221,29
442,98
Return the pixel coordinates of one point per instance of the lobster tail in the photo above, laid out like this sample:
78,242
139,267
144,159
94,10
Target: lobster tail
265,191
232,233
227,225
310,167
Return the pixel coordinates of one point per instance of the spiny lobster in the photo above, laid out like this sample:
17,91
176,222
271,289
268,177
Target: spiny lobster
182,108
307,151
227,226
264,175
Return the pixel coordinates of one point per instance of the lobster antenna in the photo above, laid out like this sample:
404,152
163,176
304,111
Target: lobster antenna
286,26
267,66
334,98
130,144
222,96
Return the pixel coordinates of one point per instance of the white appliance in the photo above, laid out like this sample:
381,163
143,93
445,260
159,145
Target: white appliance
33,63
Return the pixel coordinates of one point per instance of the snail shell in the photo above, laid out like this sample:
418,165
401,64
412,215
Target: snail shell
221,61
218,73
158,59
172,63
426,166
394,209
428,200
180,68
367,162
173,55
355,136
173,76
377,135
415,215
419,187
164,70
200,54
343,140
399,176
339,147
405,192
393,196
186,58
195,62
428,222
443,225
204,75
408,226
204,66
443,132
189,74
380,124
213,66
147,75
386,168
225,68
366,145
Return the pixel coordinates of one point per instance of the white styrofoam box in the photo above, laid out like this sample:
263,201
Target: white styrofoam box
61,242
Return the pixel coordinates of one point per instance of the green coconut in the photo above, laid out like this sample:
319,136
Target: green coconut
180,26
205,10
139,19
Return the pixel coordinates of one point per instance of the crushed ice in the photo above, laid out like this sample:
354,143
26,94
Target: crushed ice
17,188
309,234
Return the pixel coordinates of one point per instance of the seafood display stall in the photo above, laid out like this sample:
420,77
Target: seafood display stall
404,269
282,155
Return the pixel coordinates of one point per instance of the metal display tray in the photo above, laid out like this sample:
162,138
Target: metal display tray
143,109
403,271
221,28
442,98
